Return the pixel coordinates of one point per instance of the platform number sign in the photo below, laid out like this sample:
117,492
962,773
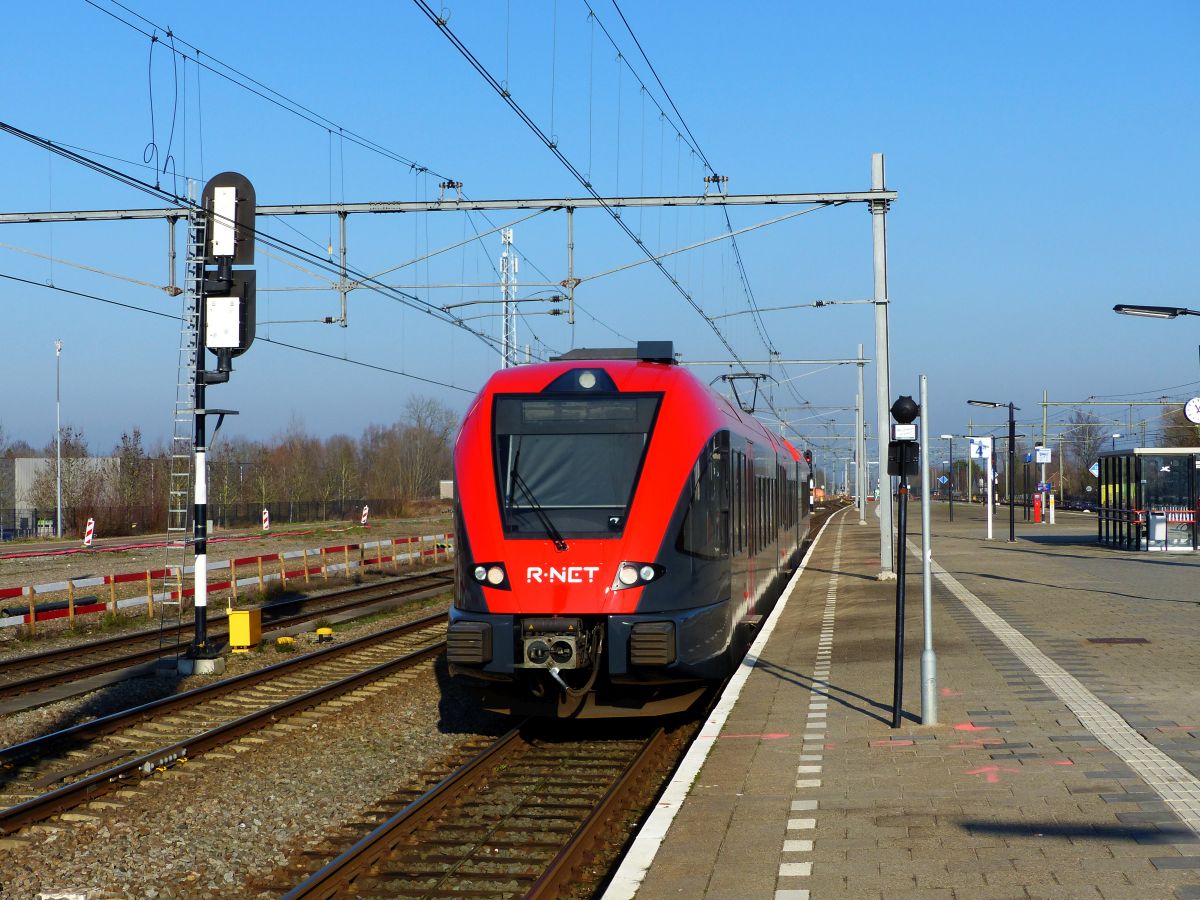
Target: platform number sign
981,447
366,512
266,520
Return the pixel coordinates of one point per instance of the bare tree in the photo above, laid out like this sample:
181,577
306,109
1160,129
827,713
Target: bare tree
84,480
1084,440
1177,431
295,460
339,478
427,435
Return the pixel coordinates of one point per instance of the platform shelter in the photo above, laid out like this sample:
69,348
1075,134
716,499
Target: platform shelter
1149,498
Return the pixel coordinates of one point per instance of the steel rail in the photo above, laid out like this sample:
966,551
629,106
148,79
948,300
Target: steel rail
343,600
70,796
75,793
557,879
337,877
113,721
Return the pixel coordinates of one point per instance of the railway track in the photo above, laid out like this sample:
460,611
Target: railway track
521,819
35,672
59,771
529,816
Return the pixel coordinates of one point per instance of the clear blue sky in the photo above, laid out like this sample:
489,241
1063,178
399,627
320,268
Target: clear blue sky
1044,156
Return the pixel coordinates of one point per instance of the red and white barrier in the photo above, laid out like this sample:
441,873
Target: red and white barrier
366,512
87,534
266,520
341,559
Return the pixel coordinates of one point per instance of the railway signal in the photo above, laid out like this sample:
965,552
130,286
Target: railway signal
903,452
224,326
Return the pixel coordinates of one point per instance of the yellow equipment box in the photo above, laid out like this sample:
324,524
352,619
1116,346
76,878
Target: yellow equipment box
245,629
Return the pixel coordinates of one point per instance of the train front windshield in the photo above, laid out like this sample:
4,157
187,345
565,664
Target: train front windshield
571,463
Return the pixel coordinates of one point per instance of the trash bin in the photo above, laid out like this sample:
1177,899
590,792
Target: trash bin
1157,537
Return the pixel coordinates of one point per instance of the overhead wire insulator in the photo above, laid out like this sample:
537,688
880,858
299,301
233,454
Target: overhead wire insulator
718,180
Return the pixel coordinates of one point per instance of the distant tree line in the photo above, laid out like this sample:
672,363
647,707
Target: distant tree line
297,476
1080,442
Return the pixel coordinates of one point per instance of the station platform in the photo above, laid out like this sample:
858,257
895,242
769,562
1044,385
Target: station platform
1063,763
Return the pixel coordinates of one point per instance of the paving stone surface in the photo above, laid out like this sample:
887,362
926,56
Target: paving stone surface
810,793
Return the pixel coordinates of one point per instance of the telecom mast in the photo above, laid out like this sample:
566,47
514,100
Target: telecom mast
509,263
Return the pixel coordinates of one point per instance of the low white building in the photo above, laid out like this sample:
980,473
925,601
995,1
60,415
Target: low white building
19,515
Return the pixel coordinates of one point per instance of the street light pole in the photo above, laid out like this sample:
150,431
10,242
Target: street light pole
1012,455
878,210
58,435
950,438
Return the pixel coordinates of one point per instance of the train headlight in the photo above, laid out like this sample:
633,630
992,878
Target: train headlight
587,380
635,574
491,574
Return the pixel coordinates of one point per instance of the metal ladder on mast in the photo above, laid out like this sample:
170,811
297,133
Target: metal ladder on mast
182,454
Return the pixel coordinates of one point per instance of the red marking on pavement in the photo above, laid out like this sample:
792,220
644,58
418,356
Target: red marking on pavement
890,743
769,736
967,726
830,746
1063,762
946,692
991,774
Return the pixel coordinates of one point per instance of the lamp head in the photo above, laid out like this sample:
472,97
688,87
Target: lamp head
905,409
1152,312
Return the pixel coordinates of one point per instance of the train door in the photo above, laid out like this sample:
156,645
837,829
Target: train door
752,512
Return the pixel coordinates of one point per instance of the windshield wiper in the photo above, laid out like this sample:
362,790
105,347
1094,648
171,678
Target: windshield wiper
553,533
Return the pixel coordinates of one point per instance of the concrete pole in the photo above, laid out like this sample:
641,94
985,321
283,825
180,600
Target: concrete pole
1045,495
57,437
570,266
860,445
343,284
171,289
928,658
882,367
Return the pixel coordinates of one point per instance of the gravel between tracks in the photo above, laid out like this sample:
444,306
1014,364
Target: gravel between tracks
52,569
205,828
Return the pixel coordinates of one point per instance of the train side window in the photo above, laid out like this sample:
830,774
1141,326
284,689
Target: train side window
737,501
704,532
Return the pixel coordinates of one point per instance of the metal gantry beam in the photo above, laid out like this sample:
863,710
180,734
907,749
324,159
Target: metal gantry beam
778,362
454,205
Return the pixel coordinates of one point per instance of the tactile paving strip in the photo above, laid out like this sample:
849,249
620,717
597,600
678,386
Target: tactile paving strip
1178,788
